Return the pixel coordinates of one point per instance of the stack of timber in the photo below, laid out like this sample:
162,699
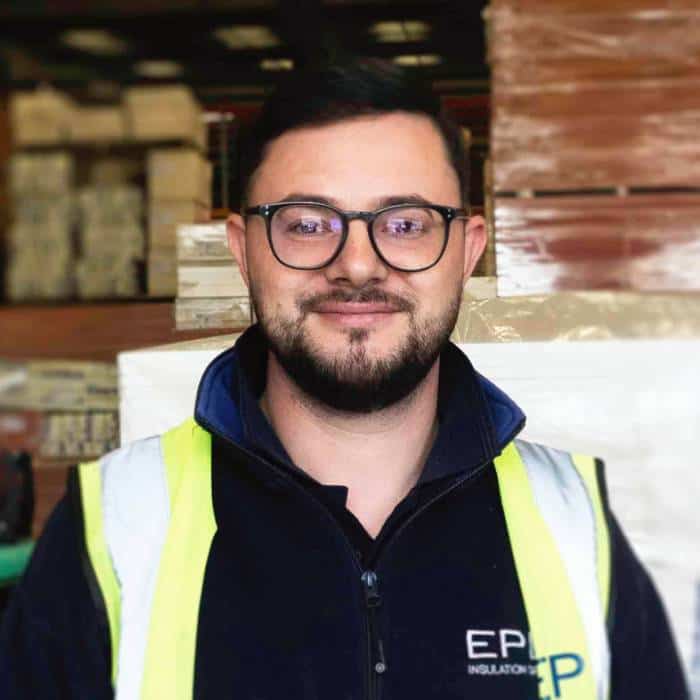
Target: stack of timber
211,292
595,162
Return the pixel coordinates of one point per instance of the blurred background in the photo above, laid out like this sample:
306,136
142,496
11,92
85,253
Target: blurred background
120,128
120,121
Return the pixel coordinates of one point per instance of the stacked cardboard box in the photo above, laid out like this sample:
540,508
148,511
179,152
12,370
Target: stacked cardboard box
111,241
179,190
79,435
112,252
146,114
99,125
164,113
211,292
40,237
598,102
42,117
58,408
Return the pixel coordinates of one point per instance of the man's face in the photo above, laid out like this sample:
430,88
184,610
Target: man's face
357,335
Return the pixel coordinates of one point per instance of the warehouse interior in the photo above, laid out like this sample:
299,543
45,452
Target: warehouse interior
120,127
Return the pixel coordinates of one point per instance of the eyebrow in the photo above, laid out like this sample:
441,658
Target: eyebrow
378,203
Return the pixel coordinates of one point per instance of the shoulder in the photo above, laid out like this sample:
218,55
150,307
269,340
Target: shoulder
543,461
134,477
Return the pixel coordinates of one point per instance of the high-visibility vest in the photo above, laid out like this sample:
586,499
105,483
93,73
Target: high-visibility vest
151,581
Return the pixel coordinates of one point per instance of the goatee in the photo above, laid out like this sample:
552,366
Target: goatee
353,381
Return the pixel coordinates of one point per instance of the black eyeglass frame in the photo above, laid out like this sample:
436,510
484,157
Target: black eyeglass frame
449,214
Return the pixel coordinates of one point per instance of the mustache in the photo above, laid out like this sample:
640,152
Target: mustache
364,296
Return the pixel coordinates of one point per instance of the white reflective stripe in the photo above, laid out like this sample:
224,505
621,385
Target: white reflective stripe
564,502
136,510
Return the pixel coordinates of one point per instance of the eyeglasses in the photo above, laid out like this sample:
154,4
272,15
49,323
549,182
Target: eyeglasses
309,236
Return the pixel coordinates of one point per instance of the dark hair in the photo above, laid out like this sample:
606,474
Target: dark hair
331,92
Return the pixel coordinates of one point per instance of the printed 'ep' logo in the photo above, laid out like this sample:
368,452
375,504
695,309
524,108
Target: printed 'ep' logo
492,652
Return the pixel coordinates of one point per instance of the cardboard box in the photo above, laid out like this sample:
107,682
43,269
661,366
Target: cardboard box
99,125
44,116
111,206
41,174
39,245
164,217
179,173
115,171
58,385
35,274
164,113
107,276
161,273
79,435
44,218
112,242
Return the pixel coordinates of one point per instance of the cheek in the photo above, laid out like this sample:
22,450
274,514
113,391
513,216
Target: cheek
437,287
276,288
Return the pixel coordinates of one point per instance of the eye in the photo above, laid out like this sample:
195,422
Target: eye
402,227
309,227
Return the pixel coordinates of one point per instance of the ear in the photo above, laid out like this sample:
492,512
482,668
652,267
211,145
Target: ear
235,234
474,244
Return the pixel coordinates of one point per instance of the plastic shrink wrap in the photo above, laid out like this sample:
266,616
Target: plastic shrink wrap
600,102
594,95
646,242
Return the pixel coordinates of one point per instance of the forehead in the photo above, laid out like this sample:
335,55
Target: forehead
359,160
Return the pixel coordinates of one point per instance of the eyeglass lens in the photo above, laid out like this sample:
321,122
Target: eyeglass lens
308,236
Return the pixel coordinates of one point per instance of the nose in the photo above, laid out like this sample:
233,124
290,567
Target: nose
358,263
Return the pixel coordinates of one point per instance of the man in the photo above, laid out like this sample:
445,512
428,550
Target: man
348,515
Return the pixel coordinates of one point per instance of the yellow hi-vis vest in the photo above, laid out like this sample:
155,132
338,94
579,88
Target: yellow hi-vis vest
151,578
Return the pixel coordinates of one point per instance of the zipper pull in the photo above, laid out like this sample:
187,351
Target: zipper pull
380,666
370,581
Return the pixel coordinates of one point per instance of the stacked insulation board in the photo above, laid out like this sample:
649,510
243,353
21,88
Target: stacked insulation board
595,162
211,292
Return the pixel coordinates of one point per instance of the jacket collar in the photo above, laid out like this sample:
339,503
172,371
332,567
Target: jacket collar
477,419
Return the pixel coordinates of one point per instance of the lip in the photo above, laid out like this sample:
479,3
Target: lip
356,314
355,308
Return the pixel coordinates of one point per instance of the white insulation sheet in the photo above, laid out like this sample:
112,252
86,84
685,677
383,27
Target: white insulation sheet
633,403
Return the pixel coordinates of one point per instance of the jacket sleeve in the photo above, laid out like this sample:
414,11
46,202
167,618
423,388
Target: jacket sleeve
52,644
645,659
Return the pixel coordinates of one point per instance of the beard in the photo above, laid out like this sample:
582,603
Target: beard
353,381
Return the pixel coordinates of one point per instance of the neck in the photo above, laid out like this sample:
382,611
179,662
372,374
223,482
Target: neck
378,456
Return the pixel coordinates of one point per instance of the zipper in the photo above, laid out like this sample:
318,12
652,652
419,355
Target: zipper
376,664
375,646
380,550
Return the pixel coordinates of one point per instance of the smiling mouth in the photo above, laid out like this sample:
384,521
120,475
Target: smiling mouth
356,313
355,308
